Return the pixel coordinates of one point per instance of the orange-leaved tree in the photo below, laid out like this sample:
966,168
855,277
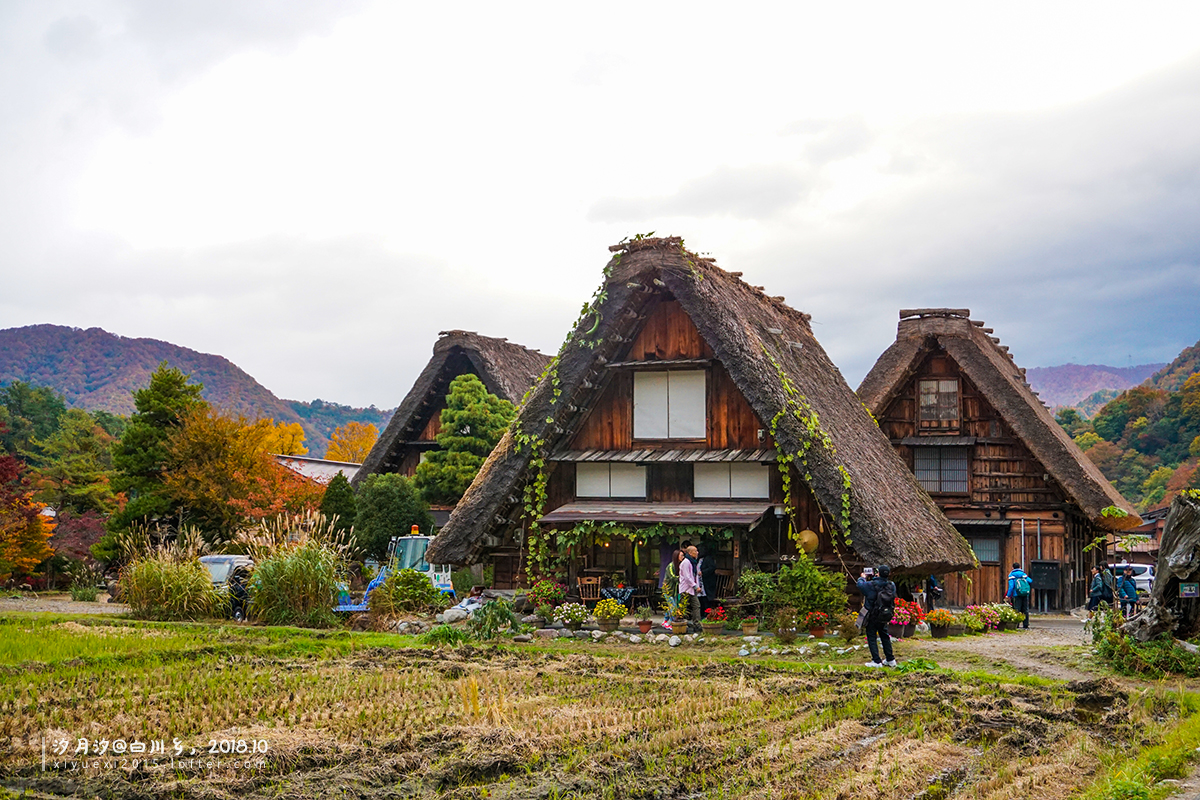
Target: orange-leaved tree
223,477
285,439
24,532
352,442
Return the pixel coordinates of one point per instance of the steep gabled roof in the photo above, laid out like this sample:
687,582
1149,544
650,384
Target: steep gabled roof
506,369
764,345
994,372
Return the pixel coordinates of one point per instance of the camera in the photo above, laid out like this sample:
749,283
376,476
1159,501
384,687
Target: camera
869,572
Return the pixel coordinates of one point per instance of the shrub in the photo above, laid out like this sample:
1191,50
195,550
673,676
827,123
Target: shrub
569,613
445,635
84,582
847,626
643,613
494,616
160,586
754,586
785,625
804,587
387,504
298,585
463,579
404,590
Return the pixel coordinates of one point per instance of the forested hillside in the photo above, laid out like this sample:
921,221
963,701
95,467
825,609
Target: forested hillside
1147,439
1075,384
98,371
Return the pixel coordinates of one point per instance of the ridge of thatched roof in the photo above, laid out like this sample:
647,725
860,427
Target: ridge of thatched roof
995,373
892,519
506,369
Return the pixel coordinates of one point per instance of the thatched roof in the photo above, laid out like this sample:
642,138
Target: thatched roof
506,369
992,369
892,520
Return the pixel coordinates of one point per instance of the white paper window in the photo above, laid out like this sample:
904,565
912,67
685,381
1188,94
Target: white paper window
740,480
609,480
670,405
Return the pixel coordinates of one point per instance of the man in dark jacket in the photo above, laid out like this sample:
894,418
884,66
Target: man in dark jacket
1019,587
879,598
1127,592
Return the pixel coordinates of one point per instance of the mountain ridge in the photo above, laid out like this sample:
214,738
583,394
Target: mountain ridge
1071,384
98,370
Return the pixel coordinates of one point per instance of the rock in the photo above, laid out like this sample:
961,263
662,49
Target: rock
635,639
522,637
531,619
563,633
674,641
773,651
662,637
545,633
582,634
743,652
823,644
597,635
452,615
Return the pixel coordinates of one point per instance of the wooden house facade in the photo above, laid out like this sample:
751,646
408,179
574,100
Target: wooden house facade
663,420
505,368
958,410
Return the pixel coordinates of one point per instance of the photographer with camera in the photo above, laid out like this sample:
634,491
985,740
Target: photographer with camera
879,601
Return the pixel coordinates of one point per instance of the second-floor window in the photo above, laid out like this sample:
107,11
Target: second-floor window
938,405
731,480
608,479
670,405
942,470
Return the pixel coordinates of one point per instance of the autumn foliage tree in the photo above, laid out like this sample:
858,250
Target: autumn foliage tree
286,439
24,532
351,442
221,474
472,423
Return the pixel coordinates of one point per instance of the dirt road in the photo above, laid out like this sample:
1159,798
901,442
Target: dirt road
61,604
1053,647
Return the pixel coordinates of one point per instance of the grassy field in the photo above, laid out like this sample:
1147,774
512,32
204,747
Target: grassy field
377,716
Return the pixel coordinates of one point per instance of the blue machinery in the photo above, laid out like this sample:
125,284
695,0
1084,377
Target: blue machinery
404,552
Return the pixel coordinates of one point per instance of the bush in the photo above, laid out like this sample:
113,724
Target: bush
387,504
445,635
404,590
463,579
84,582
547,593
494,616
804,587
84,592
162,587
297,586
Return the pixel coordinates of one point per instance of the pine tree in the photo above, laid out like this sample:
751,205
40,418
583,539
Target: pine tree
472,423
388,506
339,501
140,456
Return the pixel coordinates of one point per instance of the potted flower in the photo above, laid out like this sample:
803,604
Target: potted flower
815,623
900,618
571,615
749,626
939,621
785,625
988,615
916,615
643,618
546,592
1010,618
608,613
714,620
677,611
545,613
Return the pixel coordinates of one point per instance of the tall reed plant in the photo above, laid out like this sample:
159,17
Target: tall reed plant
298,585
161,586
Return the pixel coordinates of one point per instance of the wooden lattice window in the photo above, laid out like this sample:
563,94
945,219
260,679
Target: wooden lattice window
942,470
938,407
986,550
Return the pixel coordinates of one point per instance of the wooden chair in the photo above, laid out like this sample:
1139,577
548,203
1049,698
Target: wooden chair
645,592
725,585
589,589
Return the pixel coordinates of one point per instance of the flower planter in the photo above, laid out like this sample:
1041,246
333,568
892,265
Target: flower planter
749,628
679,627
712,628
608,625
817,632
910,630
957,630
573,626
895,631
1006,625
644,625
940,633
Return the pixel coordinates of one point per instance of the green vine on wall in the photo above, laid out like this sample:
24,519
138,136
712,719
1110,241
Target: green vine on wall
798,407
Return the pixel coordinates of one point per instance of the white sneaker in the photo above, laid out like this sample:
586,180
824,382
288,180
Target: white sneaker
873,664
891,663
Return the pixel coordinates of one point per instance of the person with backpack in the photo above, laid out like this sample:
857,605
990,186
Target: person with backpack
1127,591
1101,589
1019,587
879,601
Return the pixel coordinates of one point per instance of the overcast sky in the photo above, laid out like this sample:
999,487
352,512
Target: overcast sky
315,189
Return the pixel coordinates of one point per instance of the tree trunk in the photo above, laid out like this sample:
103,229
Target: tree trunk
1178,562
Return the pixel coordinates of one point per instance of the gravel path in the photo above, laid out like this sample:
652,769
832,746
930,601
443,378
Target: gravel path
1051,648
61,604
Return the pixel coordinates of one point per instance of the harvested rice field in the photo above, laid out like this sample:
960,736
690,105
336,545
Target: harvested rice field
370,715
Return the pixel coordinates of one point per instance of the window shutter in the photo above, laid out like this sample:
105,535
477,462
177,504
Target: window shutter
650,405
591,480
749,481
687,404
710,480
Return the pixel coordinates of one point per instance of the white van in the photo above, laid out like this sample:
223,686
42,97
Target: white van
1143,575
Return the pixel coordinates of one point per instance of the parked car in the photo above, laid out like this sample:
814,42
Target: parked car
231,575
1143,575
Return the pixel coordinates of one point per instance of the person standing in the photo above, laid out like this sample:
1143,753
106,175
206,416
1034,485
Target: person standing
933,592
670,587
1019,587
1096,590
690,588
879,599
1127,592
